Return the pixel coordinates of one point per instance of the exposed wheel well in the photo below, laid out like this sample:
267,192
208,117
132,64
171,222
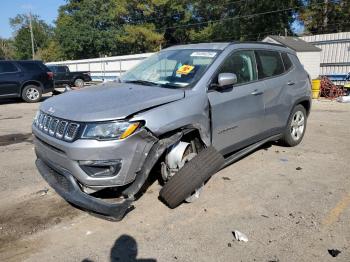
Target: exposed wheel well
78,77
306,105
30,83
190,135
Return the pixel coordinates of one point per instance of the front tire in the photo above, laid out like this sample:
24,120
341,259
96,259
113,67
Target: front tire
296,127
31,94
191,177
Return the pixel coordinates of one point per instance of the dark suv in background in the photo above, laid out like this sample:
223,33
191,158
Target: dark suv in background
25,79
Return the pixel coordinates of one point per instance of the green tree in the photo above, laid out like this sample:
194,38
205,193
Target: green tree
244,20
219,20
6,49
91,28
327,16
52,52
22,42
139,39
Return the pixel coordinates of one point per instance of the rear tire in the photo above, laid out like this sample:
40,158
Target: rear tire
296,127
31,93
191,176
79,83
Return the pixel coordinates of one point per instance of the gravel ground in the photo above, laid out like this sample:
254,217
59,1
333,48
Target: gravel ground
292,203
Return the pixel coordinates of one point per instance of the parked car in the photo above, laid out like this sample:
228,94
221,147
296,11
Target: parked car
25,79
63,76
193,109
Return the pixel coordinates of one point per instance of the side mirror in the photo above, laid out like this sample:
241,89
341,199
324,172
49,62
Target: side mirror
227,79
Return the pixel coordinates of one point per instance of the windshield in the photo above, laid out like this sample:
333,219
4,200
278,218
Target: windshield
173,68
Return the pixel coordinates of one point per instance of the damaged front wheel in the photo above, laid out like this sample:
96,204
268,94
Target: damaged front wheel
188,180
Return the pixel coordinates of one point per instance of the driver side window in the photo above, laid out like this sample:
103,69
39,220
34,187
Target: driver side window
242,64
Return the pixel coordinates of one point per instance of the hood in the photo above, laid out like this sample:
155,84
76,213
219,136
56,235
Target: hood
108,101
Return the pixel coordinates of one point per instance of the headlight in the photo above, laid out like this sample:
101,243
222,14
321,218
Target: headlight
110,130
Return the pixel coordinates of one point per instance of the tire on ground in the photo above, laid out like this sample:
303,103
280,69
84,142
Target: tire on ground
191,176
79,82
28,99
287,139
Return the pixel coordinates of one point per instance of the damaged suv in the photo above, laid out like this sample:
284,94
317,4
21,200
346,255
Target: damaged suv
189,110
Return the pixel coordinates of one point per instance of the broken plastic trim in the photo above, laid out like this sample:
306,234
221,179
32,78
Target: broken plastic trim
68,188
156,151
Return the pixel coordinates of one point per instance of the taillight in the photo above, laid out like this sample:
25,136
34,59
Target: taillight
50,75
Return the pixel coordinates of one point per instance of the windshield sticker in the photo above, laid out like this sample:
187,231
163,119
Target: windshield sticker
204,54
184,70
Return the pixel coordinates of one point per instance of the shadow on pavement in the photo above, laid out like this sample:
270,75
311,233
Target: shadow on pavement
125,250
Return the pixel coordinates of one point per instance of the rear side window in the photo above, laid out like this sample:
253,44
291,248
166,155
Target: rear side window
52,68
7,67
286,61
269,63
61,69
31,66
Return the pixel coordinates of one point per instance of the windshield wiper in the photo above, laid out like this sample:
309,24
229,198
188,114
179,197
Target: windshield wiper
172,85
142,82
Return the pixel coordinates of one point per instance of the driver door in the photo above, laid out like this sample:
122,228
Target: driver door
237,112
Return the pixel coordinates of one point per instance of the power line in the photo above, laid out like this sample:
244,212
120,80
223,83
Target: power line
238,17
263,34
184,11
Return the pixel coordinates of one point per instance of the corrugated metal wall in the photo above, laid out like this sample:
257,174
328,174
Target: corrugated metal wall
311,63
335,55
106,68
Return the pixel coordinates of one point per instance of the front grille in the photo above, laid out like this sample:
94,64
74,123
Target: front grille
61,129
71,132
55,127
47,123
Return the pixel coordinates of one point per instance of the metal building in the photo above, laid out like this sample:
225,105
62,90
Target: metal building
335,54
105,68
308,54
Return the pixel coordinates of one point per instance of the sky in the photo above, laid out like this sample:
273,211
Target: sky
46,9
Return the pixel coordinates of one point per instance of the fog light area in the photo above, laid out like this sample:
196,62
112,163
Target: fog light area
101,168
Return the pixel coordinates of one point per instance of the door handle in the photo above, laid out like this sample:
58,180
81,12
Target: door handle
257,92
291,83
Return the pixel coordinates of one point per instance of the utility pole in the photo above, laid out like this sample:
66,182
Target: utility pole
325,15
285,32
31,34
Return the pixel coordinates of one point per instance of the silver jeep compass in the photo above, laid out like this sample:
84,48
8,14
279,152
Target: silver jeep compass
188,110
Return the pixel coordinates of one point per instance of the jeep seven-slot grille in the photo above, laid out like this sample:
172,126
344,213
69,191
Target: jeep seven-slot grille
56,127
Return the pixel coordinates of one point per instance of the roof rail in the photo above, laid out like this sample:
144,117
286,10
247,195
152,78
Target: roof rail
256,42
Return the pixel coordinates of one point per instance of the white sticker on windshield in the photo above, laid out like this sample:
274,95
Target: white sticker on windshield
204,54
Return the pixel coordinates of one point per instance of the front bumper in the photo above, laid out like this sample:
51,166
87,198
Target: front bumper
55,167
132,152
67,187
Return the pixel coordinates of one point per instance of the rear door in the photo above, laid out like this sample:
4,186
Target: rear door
237,113
278,78
9,79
